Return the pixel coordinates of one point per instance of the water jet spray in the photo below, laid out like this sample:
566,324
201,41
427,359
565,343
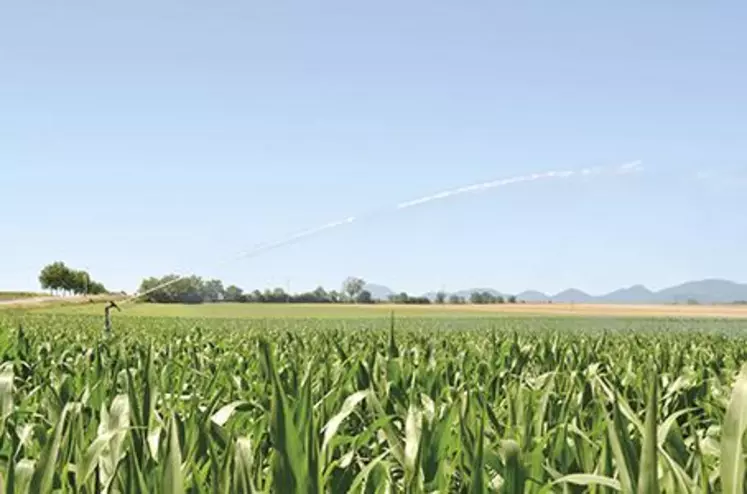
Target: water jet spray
624,169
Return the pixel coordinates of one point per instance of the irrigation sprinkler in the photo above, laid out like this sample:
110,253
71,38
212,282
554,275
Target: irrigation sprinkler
108,317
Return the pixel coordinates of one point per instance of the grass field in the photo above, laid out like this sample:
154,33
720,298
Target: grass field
379,310
344,399
259,311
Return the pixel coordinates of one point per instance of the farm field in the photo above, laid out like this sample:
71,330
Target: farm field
18,295
370,404
233,310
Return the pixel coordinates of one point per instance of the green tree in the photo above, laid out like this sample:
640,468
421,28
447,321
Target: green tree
58,277
352,286
440,297
399,298
279,295
364,297
320,295
405,298
54,276
187,290
233,293
96,288
212,291
79,282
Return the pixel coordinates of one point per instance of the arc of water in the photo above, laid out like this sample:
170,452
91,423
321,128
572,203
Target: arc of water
631,167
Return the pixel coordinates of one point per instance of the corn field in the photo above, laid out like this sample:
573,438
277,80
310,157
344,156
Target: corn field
510,405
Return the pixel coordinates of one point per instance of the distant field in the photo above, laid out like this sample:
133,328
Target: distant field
260,311
19,295
345,311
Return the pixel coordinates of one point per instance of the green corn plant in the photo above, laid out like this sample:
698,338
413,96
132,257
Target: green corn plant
372,405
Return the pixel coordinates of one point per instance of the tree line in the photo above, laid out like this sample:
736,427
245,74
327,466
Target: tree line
59,278
195,290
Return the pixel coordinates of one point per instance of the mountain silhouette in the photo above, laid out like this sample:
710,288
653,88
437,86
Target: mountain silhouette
636,294
532,296
711,291
708,291
378,292
572,295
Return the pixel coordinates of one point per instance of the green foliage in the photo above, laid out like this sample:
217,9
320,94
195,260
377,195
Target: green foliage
194,290
485,297
234,294
505,405
364,297
404,298
59,277
189,289
352,286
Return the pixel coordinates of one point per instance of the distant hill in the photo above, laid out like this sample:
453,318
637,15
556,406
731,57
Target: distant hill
636,294
378,292
708,291
711,291
572,295
532,296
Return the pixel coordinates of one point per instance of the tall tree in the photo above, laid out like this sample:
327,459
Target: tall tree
59,277
320,295
279,295
96,288
185,289
234,294
53,276
352,286
213,291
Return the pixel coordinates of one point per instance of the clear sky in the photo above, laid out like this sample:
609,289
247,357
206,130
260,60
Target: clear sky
139,138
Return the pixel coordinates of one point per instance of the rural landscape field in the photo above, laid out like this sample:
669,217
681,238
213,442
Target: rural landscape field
369,402
373,247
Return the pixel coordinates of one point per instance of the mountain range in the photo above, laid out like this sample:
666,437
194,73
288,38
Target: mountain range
709,291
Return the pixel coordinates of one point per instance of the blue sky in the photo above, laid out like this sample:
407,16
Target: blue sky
140,138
